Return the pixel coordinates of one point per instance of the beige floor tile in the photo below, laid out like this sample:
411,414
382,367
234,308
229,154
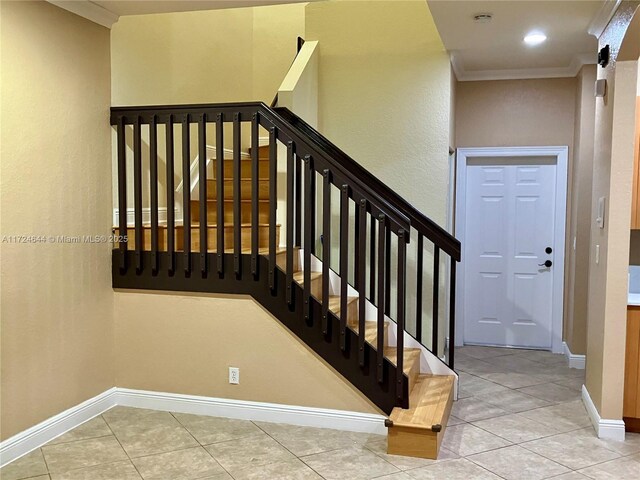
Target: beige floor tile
563,417
552,392
544,357
513,379
111,471
219,476
461,469
209,430
395,476
515,363
39,477
83,453
483,352
513,401
470,385
96,427
190,463
287,470
352,463
516,428
379,447
479,368
471,409
570,476
630,446
572,450
255,450
516,463
574,383
467,439
303,441
453,420
147,432
30,465
626,468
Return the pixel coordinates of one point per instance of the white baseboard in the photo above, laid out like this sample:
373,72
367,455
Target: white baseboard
36,436
607,429
575,361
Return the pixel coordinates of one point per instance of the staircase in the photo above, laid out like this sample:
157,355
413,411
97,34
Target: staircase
228,240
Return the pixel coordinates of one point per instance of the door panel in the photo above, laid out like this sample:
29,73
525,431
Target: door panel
509,223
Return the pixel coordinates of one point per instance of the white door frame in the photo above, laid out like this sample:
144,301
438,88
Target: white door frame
561,154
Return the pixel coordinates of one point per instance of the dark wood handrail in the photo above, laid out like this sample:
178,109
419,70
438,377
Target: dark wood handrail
424,225
292,124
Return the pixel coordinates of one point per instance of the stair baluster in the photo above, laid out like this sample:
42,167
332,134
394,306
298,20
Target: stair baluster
436,293
360,274
220,191
382,236
290,186
420,275
153,190
202,181
326,246
137,190
171,224
255,177
122,194
452,312
237,195
186,193
400,316
344,263
273,199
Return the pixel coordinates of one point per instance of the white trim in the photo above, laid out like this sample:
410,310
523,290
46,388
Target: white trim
89,10
602,18
561,153
146,216
36,436
575,360
606,429
257,411
571,70
194,170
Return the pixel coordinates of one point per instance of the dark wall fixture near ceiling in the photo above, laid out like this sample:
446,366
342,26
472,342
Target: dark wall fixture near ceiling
603,56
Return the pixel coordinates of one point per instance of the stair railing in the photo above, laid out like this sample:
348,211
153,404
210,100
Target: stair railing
308,154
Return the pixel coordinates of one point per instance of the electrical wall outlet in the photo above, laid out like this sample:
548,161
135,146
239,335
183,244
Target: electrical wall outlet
234,375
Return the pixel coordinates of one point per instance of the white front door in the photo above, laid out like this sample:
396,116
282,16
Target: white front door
510,208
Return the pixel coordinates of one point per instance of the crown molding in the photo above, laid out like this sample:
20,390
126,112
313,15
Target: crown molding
88,10
602,18
522,73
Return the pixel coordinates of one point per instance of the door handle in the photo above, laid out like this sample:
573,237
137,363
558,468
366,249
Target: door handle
547,264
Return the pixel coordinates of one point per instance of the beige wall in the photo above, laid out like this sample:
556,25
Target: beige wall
515,113
612,175
227,55
579,227
186,344
56,299
384,93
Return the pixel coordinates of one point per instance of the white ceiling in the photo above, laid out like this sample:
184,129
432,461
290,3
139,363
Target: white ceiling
496,50
143,7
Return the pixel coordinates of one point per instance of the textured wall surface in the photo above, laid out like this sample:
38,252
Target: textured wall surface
57,302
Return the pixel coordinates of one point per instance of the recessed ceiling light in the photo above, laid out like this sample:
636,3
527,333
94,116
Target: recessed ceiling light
482,18
534,38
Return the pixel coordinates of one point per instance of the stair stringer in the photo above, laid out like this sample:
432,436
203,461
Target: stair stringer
429,363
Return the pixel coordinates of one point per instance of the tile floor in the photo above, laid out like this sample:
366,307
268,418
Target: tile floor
519,417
